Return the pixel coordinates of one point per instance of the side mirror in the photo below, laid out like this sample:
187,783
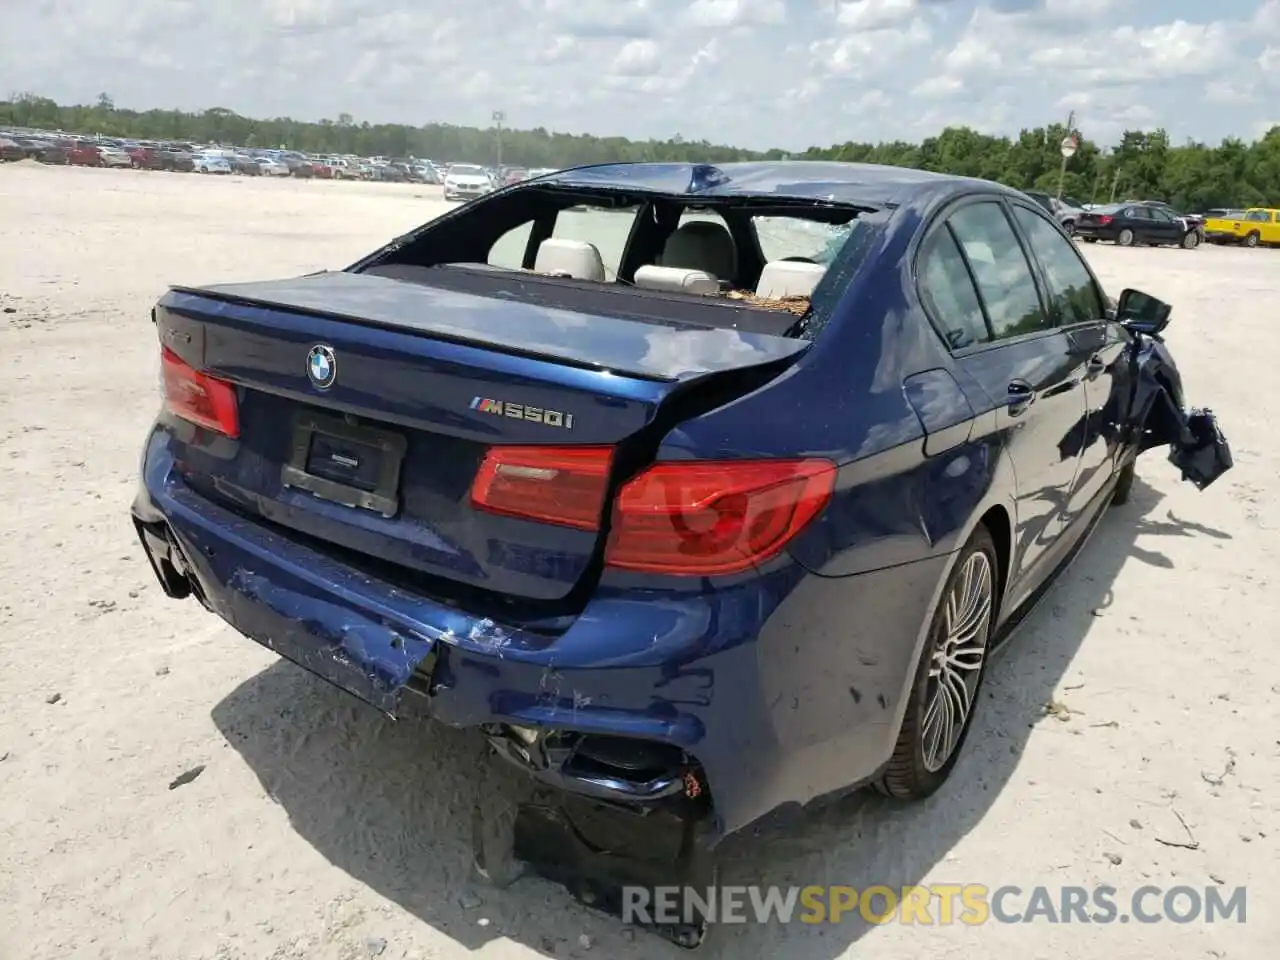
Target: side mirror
1142,312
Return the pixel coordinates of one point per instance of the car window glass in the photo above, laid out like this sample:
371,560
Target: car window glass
606,228
1071,288
948,292
508,250
783,237
1005,280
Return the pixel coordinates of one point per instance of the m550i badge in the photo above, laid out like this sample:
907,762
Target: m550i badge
522,411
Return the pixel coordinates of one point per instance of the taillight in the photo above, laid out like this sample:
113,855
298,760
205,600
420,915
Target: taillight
705,518
195,396
561,485
1103,220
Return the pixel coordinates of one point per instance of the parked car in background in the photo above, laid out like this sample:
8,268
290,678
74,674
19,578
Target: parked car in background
514,175
1127,224
436,484
271,167
466,181
1065,213
1194,219
174,159
11,151
82,153
212,161
115,157
245,164
299,166
1255,227
144,157
345,168
42,149
390,173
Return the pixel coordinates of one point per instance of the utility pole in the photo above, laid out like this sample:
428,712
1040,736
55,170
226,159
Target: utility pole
1115,182
1068,147
498,118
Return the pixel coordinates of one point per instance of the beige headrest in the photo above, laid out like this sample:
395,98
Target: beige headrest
677,280
569,258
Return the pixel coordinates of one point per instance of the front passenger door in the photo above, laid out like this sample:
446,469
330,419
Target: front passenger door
1008,346
1097,346
1166,227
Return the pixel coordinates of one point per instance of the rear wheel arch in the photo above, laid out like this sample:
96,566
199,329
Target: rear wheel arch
996,517
1000,525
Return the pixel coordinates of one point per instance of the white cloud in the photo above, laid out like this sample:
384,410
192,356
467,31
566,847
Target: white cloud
785,73
875,14
732,13
636,58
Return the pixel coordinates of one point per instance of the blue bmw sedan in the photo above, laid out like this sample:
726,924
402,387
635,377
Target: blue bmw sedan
702,491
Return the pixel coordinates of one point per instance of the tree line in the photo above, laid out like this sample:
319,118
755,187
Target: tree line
1143,164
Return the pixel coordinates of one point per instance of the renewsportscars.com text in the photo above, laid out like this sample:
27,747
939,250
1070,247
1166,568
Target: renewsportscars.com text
934,905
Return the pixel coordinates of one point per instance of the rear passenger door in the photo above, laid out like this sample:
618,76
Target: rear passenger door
984,295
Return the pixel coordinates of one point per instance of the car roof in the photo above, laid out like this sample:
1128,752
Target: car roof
800,179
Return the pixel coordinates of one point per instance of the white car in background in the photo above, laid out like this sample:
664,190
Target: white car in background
271,167
211,161
115,157
466,181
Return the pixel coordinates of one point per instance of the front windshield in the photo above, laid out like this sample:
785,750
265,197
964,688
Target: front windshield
465,170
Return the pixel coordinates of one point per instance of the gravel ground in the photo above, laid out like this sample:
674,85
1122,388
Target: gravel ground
316,828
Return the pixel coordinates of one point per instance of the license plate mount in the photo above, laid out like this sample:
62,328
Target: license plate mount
344,462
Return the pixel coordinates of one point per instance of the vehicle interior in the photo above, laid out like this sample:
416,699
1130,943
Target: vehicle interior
764,253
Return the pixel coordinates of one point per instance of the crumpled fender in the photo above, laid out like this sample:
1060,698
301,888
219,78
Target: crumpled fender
1159,417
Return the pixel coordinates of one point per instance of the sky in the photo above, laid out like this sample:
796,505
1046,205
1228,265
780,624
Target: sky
752,73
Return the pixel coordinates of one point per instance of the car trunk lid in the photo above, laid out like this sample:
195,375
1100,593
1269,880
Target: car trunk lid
373,447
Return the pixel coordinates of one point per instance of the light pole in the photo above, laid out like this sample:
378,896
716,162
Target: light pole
1068,147
498,118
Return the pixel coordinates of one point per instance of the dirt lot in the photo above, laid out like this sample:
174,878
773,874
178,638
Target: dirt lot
319,829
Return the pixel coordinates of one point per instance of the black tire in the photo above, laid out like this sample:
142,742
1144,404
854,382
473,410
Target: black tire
1125,238
1191,240
1252,239
909,776
1124,484
1070,227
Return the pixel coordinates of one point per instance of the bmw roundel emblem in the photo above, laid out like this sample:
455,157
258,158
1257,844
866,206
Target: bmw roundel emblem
322,366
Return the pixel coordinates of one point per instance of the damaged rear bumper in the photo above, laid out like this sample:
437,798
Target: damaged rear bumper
704,703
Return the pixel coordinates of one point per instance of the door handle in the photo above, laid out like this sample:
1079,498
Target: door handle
1019,396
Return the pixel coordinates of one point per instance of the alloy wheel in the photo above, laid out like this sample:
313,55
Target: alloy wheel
959,652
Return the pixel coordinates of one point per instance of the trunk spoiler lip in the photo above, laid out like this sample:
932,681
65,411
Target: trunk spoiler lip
716,344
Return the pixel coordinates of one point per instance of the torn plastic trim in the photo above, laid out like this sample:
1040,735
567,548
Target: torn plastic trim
611,768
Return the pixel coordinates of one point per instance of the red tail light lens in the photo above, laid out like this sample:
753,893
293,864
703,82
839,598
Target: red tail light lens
198,397
1103,220
561,485
706,518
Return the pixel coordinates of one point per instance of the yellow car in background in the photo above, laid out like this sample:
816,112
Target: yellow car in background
1257,226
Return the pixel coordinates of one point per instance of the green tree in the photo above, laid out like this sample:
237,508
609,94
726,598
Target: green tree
1143,163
